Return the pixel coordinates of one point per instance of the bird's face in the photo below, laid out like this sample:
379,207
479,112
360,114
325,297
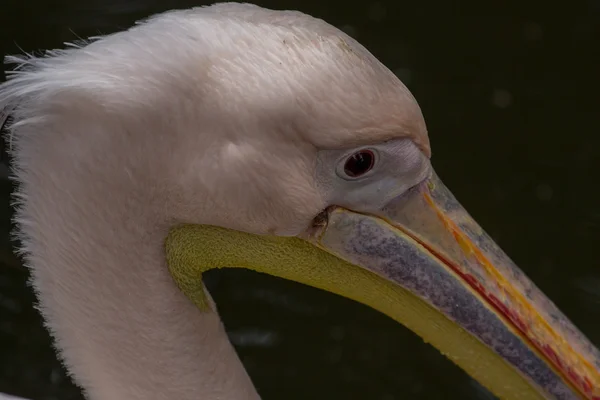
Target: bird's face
280,190
330,174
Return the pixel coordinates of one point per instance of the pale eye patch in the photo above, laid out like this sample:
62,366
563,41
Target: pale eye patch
395,167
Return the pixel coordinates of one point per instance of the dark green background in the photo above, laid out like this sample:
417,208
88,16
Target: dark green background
510,93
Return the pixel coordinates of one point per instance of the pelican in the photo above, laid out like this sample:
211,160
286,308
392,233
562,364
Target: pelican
237,136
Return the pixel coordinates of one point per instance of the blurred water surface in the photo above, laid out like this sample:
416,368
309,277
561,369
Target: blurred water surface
512,108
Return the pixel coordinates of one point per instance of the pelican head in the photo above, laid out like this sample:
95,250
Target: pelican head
235,136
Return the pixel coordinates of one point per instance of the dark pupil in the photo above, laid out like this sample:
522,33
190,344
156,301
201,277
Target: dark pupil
359,163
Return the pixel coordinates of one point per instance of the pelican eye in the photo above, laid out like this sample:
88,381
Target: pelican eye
359,163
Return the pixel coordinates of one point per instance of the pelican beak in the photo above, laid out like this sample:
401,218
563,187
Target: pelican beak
427,244
423,261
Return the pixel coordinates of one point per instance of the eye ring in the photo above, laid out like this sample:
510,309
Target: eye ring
359,163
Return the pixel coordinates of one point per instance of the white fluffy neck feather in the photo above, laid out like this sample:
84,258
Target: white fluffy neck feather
95,248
